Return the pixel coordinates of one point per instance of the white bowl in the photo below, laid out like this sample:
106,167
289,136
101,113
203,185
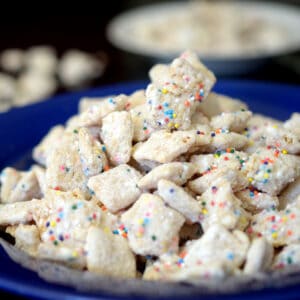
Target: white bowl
120,34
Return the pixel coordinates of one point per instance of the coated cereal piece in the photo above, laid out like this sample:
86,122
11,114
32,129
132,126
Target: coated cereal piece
177,172
290,193
93,115
27,237
152,227
176,91
63,254
18,186
141,127
40,174
255,201
235,177
282,138
184,73
204,163
162,268
117,134
233,121
26,189
17,212
48,144
219,206
280,228
9,179
198,118
117,188
255,131
178,199
259,256
222,139
73,123
216,104
164,146
216,271
92,153
217,244
221,159
63,220
289,256
174,270
202,138
65,170
168,111
87,102
293,124
270,170
137,98
109,254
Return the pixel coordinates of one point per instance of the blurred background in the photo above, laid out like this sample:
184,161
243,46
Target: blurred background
30,74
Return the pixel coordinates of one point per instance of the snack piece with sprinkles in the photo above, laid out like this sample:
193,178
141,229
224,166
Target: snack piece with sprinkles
174,144
283,139
152,226
141,127
218,244
219,206
233,121
117,134
293,124
95,113
173,269
259,256
255,131
18,186
137,98
177,198
65,171
221,159
87,102
289,256
203,138
236,178
176,172
47,144
116,188
162,268
290,193
176,90
223,139
280,228
92,153
216,104
255,201
271,170
62,219
109,254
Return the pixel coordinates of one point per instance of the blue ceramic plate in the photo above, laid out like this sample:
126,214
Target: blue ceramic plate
22,128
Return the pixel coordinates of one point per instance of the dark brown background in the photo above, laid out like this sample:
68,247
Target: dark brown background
82,25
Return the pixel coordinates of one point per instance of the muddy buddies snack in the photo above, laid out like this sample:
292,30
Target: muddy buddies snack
172,183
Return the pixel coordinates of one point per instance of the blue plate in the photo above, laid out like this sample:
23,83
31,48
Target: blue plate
22,128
